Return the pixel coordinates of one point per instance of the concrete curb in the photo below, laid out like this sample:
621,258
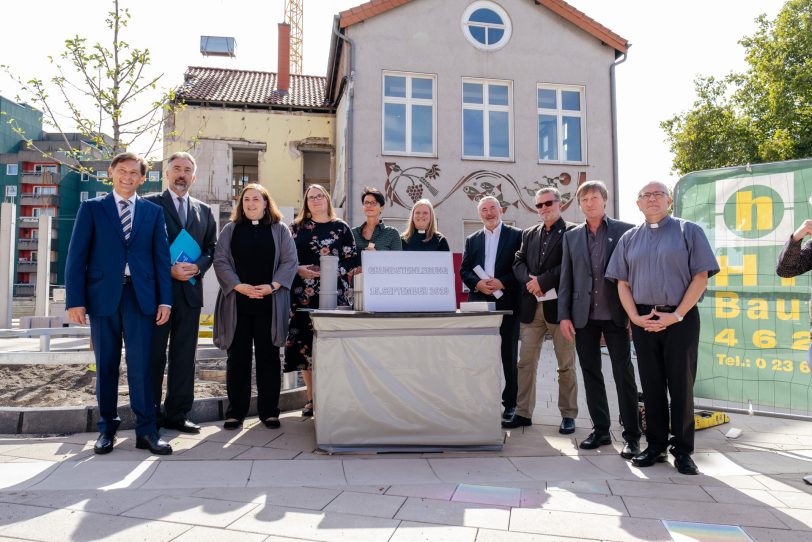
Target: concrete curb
61,420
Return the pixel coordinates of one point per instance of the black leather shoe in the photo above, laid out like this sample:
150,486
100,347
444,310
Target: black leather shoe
685,465
154,444
567,426
307,411
595,440
508,413
630,449
104,444
517,421
231,423
648,457
184,426
272,422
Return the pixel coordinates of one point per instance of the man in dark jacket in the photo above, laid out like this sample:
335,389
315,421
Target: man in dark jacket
538,267
589,303
492,249
182,212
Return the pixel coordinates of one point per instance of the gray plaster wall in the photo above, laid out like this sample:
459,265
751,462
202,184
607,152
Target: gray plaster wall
425,36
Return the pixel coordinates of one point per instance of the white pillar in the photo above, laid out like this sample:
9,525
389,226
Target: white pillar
210,284
43,266
8,234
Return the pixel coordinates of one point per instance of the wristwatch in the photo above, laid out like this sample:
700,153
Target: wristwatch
678,315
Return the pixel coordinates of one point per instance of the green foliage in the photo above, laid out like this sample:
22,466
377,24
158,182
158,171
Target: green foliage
105,89
762,115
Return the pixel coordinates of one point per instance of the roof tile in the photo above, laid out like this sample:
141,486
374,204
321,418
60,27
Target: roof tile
246,87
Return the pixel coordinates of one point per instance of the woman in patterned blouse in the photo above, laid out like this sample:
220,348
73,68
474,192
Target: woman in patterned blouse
317,232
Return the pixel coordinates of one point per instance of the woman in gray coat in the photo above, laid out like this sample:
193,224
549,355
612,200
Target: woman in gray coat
255,262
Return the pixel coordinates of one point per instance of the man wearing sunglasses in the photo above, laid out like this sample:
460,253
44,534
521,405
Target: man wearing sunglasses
537,267
662,268
588,307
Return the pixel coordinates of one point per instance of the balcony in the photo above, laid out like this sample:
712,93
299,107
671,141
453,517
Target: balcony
30,266
39,177
51,200
27,244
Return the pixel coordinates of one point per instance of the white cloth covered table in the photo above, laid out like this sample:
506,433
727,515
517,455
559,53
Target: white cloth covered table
407,381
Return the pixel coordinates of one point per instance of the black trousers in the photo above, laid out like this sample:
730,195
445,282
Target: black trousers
588,346
253,332
180,333
667,364
509,332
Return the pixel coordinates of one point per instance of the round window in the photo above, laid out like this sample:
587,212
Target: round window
486,25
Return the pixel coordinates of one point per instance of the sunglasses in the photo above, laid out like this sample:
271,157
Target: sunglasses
543,204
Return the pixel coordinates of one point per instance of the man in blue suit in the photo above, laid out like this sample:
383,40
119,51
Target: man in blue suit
117,272
493,248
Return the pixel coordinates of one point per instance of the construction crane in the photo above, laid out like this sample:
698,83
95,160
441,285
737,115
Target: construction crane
293,16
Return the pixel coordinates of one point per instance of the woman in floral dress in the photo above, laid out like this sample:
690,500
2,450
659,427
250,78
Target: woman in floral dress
317,232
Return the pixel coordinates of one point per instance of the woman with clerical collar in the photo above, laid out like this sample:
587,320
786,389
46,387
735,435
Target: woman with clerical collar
421,234
373,234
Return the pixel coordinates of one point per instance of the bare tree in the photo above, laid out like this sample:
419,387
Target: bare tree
111,81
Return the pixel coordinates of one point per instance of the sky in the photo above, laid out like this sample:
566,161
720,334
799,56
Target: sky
672,43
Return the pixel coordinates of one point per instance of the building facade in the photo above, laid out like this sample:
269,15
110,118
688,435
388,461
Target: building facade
247,126
470,98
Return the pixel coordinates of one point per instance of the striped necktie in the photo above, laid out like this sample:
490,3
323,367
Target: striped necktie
182,211
126,218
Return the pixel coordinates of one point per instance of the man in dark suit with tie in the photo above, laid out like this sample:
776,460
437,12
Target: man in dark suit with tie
181,211
117,272
588,306
493,249
537,267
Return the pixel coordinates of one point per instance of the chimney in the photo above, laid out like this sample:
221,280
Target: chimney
283,65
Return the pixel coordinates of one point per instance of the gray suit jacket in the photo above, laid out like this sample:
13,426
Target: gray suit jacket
201,226
575,289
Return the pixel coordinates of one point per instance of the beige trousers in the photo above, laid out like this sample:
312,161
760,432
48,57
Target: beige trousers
532,337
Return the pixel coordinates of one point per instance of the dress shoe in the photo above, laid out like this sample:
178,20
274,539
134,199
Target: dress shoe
595,440
648,457
272,422
517,421
307,411
184,426
231,423
104,444
567,426
154,444
684,464
508,413
630,449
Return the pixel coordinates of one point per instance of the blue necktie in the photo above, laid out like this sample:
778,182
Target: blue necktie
126,218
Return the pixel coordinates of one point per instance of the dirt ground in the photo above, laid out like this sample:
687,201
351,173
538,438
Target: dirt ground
75,385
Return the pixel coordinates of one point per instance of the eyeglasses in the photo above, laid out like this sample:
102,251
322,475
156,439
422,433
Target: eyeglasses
657,195
542,204
316,197
370,203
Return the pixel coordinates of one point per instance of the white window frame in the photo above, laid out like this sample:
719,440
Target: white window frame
101,194
486,108
11,190
12,169
85,177
408,101
84,195
507,26
559,113
153,176
101,174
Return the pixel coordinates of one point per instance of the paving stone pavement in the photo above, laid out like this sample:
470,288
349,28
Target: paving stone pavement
268,485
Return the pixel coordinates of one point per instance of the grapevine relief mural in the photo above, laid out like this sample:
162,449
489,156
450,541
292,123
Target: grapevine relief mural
404,186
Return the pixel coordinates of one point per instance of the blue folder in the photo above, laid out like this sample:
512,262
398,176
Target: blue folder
184,249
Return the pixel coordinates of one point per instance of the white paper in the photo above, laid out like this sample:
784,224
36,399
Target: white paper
550,295
484,276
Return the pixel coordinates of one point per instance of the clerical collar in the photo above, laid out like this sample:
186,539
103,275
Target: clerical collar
255,222
660,223
421,231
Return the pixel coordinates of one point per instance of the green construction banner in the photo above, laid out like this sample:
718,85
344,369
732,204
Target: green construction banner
754,340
